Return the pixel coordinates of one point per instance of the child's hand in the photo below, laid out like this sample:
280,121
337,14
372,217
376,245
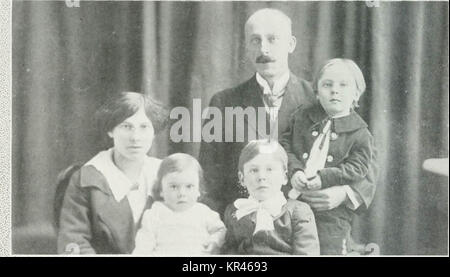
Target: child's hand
299,180
315,183
211,247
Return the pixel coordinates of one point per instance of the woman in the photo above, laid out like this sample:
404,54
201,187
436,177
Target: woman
105,199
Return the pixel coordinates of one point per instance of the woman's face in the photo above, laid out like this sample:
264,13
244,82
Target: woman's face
133,137
263,176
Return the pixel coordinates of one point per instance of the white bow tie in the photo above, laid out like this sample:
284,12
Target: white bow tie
265,210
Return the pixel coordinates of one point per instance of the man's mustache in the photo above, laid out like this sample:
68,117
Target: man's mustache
264,59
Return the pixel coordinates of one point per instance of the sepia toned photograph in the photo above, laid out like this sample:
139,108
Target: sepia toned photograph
226,128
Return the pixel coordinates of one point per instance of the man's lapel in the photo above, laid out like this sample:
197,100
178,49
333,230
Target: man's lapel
291,97
294,96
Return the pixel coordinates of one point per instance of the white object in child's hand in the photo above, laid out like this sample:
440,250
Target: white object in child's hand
317,157
294,194
319,151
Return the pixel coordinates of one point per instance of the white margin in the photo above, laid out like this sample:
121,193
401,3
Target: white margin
5,127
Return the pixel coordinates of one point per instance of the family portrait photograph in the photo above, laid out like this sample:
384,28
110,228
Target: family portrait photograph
229,128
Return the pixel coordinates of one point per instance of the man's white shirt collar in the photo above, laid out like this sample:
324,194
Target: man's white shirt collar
278,87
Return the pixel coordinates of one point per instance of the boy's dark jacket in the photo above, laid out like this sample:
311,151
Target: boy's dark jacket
295,233
352,154
351,161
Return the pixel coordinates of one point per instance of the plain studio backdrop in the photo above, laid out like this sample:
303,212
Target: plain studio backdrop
68,60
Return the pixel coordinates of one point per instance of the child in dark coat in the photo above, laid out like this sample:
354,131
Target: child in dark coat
329,144
266,223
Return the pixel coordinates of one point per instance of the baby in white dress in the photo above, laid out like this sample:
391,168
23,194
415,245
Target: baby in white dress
176,224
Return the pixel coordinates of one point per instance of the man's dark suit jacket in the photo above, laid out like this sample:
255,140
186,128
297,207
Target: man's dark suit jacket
220,159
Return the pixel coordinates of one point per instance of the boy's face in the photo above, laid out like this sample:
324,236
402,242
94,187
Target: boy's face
133,137
263,176
180,190
336,90
268,44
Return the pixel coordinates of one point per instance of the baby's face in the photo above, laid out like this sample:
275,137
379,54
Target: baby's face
180,190
337,90
263,176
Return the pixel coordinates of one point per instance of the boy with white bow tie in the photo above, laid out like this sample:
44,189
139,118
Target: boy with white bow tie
266,223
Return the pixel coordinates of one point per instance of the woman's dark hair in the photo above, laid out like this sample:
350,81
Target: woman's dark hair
176,163
126,104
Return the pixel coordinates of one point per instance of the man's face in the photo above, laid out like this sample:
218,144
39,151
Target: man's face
268,44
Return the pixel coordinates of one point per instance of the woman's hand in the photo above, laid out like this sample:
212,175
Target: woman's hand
325,199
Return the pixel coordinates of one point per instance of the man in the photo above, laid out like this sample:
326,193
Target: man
269,41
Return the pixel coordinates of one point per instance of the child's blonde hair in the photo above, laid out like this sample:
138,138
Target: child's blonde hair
264,146
354,70
176,163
